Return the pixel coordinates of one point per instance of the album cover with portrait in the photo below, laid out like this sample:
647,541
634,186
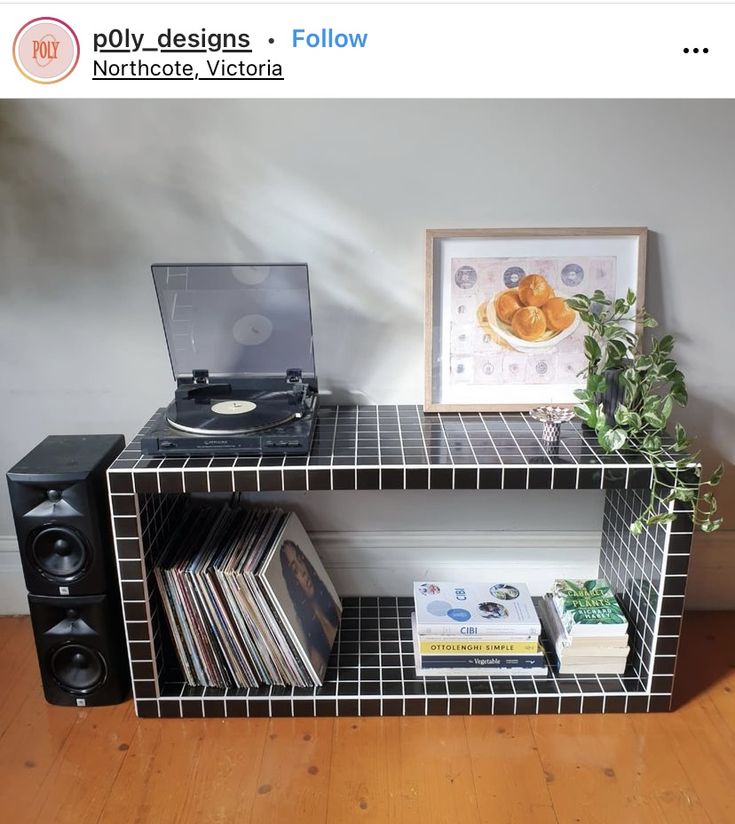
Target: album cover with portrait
302,594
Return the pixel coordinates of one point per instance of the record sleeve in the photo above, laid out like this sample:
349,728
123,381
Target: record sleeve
302,594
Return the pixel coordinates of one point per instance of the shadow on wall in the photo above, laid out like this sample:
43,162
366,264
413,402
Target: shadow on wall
99,191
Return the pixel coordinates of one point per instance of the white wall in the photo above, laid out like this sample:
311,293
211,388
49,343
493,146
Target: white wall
92,192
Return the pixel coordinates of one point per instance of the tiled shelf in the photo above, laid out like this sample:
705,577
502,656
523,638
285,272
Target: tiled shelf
371,672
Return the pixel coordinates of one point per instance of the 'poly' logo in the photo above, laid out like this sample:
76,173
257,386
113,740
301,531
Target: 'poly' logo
46,50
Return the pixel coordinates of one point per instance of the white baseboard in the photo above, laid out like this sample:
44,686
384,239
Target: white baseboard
386,563
13,599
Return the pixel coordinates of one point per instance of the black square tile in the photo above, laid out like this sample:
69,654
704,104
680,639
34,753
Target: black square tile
614,477
615,703
120,482
565,478
539,478
171,482
123,504
504,705
589,478
465,478
145,482
659,703
146,709
592,703
214,708
571,703
370,707
294,479
304,707
246,480
391,478
637,703
417,478
169,708
270,480
195,481
192,708
491,478
348,707
220,481
344,478
515,478
441,478
368,479
525,705
548,704
320,479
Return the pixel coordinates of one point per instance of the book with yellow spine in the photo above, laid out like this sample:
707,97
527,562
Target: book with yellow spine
477,646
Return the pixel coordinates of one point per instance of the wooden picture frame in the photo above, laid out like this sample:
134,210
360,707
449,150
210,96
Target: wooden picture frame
466,271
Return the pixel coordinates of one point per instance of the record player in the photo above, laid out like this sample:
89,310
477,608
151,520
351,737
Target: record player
240,342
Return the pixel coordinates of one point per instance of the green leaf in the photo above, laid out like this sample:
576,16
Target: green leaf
591,348
636,528
710,526
666,344
667,408
579,303
654,419
667,370
596,383
612,439
583,394
680,437
652,443
622,415
716,476
615,352
685,494
664,518
630,297
649,323
679,394
635,422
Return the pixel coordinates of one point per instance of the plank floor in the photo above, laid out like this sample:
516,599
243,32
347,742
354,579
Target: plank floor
104,765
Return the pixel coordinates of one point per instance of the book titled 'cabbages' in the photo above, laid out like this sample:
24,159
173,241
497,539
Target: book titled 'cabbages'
588,608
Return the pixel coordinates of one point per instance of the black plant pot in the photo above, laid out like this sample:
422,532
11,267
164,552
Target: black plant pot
614,394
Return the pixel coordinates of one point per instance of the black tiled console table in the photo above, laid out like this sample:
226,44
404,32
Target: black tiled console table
371,670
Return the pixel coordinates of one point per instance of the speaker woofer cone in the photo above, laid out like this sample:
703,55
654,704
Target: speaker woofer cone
77,668
59,553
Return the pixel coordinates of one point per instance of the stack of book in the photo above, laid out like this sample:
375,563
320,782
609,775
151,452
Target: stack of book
477,629
247,599
587,627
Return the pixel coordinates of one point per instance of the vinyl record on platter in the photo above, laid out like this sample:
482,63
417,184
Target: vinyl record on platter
232,416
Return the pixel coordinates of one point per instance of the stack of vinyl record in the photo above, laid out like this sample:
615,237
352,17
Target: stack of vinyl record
476,629
587,627
247,599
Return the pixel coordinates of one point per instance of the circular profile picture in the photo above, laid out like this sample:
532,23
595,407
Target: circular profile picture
46,50
489,609
465,277
429,589
504,592
572,274
512,276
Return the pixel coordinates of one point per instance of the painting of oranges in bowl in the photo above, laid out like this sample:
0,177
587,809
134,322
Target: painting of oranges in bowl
530,317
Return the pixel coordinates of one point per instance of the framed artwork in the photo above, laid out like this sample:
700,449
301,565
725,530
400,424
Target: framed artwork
498,333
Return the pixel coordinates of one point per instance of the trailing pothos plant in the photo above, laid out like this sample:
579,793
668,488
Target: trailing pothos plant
652,383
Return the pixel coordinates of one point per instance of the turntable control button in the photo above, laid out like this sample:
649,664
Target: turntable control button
166,444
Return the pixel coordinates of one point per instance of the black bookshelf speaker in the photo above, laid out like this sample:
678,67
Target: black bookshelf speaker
81,649
58,494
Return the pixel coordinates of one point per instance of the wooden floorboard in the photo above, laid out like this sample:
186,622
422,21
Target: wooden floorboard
105,765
